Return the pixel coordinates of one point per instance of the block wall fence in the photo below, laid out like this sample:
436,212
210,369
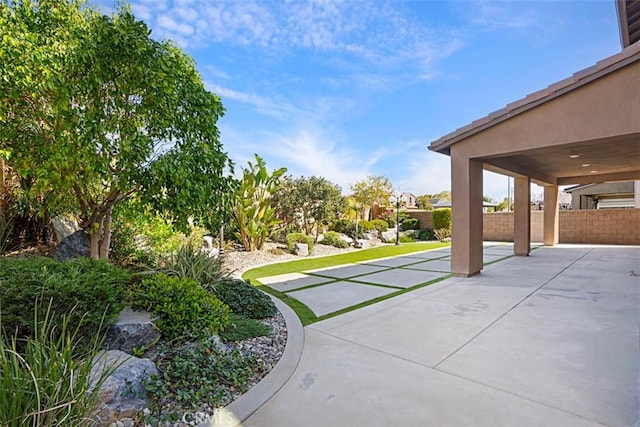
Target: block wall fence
599,226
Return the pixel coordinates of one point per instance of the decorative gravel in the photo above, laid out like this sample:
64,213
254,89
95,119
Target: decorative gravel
238,261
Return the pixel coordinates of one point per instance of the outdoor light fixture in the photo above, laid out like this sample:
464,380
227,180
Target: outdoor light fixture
397,200
574,156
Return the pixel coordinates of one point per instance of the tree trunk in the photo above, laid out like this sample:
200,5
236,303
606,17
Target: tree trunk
94,235
105,243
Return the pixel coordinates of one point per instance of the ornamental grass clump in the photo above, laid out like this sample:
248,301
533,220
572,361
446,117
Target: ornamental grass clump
191,263
45,380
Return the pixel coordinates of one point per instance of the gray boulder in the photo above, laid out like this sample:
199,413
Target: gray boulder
133,329
302,249
122,394
74,246
388,236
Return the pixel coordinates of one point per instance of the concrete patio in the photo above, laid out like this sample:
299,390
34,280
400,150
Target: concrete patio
551,339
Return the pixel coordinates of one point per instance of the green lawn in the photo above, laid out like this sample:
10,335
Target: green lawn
340,259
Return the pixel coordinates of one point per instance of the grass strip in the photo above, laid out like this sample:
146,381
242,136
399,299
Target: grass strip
304,313
340,259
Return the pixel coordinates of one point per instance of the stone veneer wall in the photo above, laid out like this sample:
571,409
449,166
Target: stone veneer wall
605,226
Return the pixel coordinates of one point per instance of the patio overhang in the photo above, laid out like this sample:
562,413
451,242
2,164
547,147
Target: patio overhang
583,129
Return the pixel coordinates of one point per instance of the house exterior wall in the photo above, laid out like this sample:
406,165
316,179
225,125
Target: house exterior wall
610,226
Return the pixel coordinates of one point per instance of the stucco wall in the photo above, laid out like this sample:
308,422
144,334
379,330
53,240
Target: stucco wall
606,226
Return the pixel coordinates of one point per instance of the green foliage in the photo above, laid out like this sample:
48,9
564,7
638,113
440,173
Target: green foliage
245,299
409,224
311,202
348,227
191,263
424,202
442,234
442,218
364,226
372,190
426,234
183,308
254,216
89,105
242,328
333,238
404,238
44,381
89,292
194,375
389,218
293,238
380,225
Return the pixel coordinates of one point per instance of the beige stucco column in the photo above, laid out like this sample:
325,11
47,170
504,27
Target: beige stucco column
551,221
522,216
466,212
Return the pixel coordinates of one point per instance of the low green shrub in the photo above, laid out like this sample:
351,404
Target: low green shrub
334,239
194,375
364,226
191,263
91,293
442,234
245,299
389,218
43,380
183,308
409,224
294,238
442,218
406,239
344,226
241,328
380,225
426,234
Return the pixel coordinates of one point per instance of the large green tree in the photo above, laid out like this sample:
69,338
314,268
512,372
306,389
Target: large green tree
371,191
93,111
309,202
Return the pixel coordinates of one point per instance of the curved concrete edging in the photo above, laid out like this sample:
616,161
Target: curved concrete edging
243,407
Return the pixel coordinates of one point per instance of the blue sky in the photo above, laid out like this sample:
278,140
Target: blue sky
349,89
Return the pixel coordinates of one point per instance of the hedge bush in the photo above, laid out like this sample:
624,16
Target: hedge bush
344,226
380,225
426,234
90,293
409,224
334,239
442,218
182,306
245,299
293,238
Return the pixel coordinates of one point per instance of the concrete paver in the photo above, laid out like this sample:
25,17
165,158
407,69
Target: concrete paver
344,272
288,282
393,262
401,277
338,295
432,265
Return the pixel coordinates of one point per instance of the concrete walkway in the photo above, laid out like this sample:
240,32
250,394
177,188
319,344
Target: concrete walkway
549,340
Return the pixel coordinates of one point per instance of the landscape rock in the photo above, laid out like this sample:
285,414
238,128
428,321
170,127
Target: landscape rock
64,226
133,329
122,394
302,249
74,246
346,238
388,236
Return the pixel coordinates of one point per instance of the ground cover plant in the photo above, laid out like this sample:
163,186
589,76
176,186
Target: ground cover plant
90,293
334,239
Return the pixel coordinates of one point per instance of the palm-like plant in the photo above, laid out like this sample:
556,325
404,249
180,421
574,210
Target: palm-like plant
253,212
